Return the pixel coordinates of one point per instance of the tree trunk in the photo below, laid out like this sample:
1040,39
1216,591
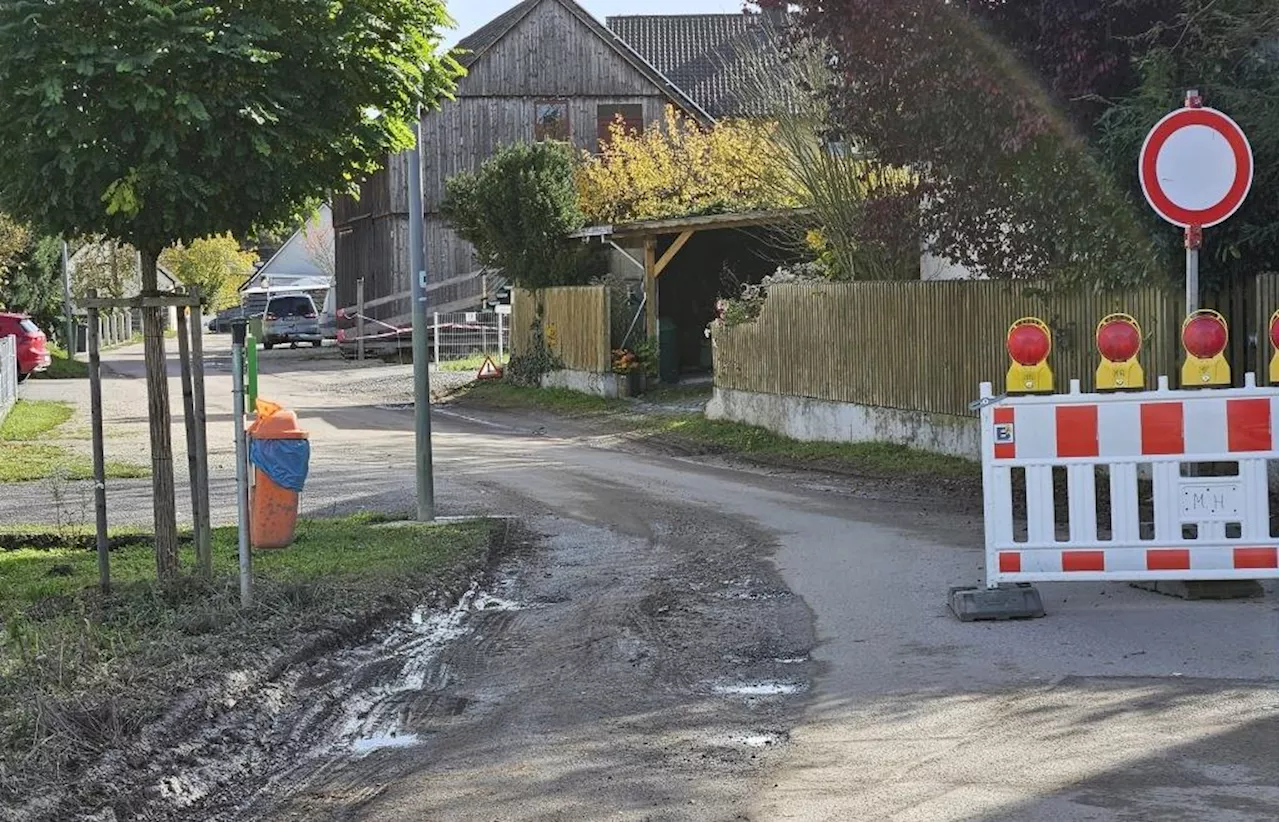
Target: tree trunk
165,513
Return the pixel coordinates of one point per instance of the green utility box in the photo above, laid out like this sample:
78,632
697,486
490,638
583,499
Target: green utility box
668,350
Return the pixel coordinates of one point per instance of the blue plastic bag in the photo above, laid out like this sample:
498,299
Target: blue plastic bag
284,461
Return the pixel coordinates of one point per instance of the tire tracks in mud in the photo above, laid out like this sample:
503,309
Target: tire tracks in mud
647,672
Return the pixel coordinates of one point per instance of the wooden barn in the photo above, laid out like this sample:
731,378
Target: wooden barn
544,69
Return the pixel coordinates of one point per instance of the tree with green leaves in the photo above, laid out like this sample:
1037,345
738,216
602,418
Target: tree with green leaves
215,264
30,273
155,123
15,237
1226,50
516,210
1006,185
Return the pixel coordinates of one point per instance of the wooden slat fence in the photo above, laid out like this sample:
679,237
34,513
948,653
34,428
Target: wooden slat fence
925,346
575,320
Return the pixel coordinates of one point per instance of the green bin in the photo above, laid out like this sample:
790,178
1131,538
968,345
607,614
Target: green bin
668,350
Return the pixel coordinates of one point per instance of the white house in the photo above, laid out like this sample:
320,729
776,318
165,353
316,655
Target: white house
305,261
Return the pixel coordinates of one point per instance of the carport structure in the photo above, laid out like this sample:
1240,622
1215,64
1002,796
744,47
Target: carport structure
662,240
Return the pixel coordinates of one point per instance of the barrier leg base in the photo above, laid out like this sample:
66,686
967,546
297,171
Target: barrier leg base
1019,601
1203,589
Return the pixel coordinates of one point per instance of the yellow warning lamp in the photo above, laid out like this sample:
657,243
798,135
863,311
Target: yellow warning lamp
1204,336
1029,343
1274,333
1119,339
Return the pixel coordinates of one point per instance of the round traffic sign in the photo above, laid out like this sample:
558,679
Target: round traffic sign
1195,167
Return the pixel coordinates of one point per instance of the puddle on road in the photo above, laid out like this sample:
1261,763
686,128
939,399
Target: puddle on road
757,740
418,642
377,742
759,688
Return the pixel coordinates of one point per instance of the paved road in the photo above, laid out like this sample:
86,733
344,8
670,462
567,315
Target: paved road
1120,705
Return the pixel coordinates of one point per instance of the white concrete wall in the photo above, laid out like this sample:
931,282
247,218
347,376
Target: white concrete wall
803,418
585,382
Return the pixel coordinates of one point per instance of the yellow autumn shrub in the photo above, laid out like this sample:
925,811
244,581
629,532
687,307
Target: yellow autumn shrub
677,168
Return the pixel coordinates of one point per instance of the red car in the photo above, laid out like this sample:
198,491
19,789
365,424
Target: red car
33,355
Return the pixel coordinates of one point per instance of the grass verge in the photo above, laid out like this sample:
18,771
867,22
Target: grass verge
82,672
62,367
695,432
558,400
874,458
471,363
30,419
22,460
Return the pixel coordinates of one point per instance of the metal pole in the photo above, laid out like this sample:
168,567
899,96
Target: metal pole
1193,233
242,462
1192,242
66,302
360,319
435,334
251,372
421,374
499,338
99,459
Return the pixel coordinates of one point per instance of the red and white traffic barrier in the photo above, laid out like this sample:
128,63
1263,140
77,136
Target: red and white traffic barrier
1201,526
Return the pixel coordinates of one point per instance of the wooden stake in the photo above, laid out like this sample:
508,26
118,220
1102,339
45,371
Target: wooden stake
189,418
165,516
203,524
99,459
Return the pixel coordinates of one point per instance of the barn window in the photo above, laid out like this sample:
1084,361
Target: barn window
551,120
632,115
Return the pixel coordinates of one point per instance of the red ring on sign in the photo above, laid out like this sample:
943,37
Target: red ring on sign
1156,139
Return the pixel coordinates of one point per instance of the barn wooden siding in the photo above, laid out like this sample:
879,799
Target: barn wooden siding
550,55
575,322
925,346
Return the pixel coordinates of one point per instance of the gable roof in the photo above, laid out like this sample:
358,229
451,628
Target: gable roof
473,47
469,48
701,53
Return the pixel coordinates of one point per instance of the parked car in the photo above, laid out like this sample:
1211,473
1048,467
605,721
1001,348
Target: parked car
290,318
220,323
33,352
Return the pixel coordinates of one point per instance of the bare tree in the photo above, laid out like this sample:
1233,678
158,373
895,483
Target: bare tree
317,241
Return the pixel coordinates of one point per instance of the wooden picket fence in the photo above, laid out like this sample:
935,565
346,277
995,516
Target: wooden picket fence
575,321
925,346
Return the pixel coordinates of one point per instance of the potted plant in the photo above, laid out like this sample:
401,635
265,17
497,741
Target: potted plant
629,370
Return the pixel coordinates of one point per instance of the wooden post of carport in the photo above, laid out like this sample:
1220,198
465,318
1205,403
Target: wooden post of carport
653,268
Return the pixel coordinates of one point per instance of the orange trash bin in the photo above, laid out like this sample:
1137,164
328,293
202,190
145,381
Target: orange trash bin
273,508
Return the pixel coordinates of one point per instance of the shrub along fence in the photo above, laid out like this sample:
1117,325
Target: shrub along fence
575,323
922,348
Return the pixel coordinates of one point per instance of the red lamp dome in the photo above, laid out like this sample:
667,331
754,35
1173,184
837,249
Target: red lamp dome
1028,344
1204,335
1118,339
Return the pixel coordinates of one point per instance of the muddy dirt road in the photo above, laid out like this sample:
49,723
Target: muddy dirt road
692,641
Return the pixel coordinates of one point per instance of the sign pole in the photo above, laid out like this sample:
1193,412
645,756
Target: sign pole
1192,239
425,479
242,463
1193,235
